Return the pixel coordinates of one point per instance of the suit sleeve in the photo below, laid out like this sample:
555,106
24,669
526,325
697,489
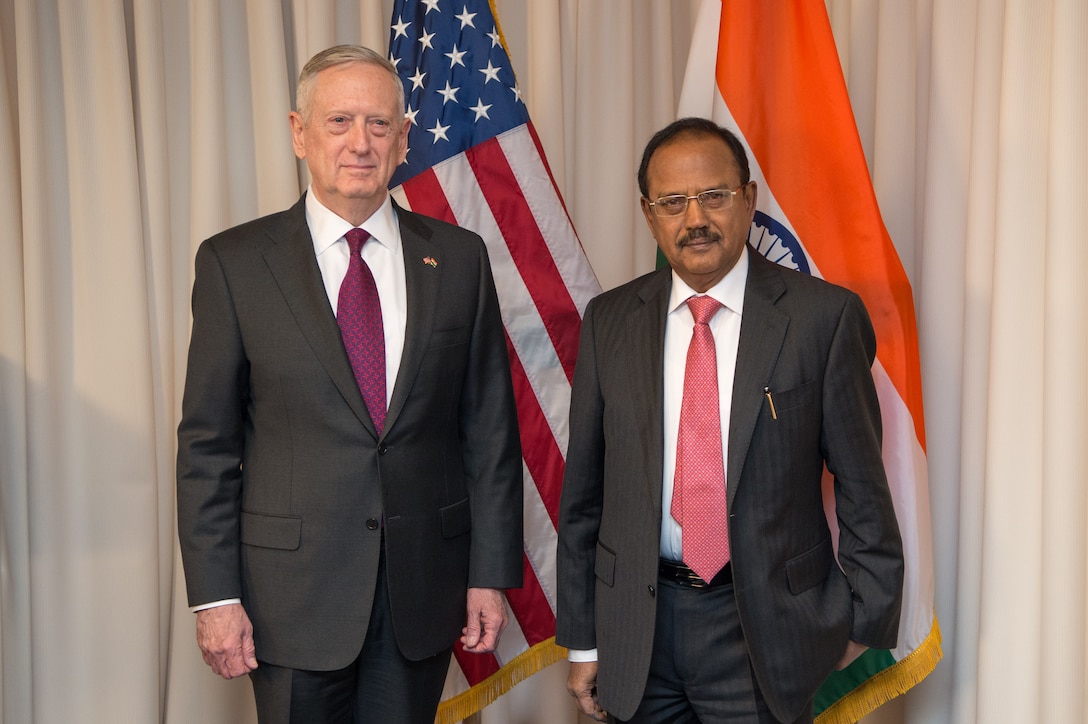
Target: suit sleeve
870,547
211,439
492,447
582,499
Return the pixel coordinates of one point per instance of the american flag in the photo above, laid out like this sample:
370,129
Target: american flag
475,160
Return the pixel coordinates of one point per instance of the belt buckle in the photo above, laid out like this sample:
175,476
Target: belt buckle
693,579
683,575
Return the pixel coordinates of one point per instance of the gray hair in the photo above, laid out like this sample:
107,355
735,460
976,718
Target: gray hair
339,55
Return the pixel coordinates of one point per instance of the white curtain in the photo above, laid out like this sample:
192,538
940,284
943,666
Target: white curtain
132,129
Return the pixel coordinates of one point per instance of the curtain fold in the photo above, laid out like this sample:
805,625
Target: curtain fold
132,130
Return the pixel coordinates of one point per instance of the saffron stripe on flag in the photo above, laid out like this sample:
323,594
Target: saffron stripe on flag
800,159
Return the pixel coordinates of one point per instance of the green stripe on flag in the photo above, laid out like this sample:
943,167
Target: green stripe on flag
841,683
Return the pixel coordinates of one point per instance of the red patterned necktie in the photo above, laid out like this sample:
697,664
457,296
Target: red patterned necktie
698,501
359,314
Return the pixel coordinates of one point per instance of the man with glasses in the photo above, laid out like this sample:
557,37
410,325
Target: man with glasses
698,578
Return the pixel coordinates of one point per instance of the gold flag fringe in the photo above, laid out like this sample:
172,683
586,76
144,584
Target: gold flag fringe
518,669
887,684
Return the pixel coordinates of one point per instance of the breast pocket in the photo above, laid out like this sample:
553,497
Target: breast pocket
449,337
792,398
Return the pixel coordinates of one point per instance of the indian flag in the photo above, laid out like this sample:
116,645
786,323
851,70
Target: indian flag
769,71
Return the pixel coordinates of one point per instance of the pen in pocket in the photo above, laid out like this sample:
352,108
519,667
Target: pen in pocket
770,401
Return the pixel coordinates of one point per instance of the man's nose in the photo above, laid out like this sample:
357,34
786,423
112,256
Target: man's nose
695,215
358,137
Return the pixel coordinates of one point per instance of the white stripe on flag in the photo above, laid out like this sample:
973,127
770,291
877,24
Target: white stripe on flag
541,539
908,478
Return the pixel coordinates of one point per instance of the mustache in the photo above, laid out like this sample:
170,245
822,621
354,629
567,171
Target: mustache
700,234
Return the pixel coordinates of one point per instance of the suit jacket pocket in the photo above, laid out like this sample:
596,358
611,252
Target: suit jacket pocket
605,565
449,337
456,519
793,397
810,569
271,531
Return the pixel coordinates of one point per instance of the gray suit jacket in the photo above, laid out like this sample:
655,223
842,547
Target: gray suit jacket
283,482
810,343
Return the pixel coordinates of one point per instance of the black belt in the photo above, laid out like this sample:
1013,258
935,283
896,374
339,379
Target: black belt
682,575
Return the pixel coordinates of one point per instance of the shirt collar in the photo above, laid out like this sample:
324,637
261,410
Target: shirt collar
326,228
729,291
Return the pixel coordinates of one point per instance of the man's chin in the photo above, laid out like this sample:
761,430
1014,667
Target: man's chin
361,191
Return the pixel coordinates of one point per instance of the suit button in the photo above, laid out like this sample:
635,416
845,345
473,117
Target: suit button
371,523
652,591
383,449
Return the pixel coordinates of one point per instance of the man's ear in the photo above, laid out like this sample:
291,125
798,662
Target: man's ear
296,133
647,213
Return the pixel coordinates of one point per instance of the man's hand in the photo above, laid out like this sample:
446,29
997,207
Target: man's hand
225,637
853,650
582,685
485,622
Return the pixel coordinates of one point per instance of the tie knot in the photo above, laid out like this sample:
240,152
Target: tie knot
703,308
356,238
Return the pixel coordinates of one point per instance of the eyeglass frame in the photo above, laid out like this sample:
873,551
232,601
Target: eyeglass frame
687,200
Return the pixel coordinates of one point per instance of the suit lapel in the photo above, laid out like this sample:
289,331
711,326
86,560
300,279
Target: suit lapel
646,330
421,282
762,332
291,260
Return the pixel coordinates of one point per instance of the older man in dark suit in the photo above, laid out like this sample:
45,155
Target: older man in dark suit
349,469
697,575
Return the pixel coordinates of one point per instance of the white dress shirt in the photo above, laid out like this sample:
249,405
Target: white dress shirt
725,325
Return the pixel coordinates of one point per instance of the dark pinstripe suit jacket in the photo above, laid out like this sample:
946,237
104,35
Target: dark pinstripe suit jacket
812,344
282,478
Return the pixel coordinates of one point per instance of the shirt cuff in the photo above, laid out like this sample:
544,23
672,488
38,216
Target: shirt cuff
581,656
215,604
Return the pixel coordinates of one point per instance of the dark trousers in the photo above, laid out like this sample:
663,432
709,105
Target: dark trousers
700,671
379,687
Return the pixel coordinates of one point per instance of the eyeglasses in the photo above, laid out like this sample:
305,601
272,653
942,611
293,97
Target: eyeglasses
710,200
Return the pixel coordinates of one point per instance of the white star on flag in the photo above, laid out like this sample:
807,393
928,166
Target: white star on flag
480,109
490,72
448,94
401,29
439,131
456,57
466,18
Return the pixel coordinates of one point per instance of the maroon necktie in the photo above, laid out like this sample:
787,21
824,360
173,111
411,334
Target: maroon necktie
359,314
698,500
